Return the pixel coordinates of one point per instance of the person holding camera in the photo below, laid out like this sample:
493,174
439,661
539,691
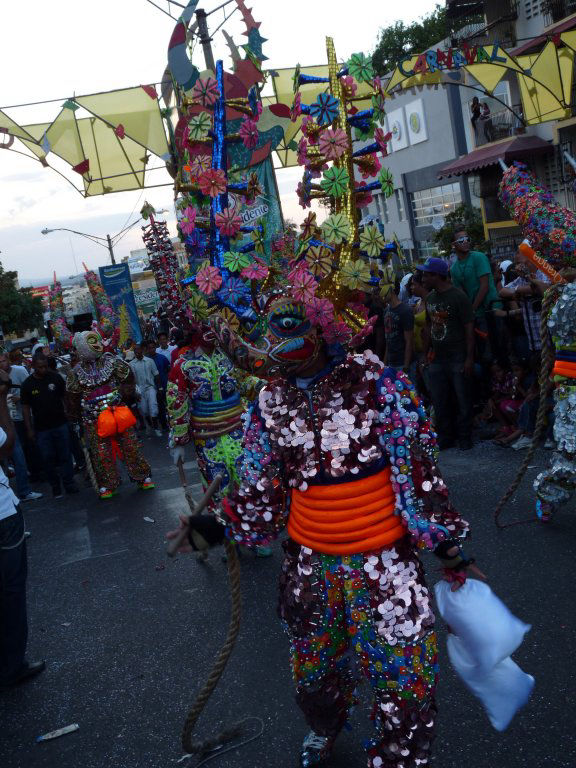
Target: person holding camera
14,667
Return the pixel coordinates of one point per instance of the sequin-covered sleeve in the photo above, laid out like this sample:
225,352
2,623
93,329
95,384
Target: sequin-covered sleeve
429,487
256,511
122,370
178,404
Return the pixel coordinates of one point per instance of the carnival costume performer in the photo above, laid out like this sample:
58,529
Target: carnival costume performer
338,451
96,387
551,244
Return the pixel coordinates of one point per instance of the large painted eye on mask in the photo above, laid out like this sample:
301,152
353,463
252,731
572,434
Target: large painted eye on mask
288,320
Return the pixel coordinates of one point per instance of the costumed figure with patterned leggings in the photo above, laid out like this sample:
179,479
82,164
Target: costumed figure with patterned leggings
96,387
339,452
550,243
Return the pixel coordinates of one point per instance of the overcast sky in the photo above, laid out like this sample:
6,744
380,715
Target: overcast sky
53,50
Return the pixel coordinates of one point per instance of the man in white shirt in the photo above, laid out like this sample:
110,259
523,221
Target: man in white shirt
147,380
164,348
14,668
18,375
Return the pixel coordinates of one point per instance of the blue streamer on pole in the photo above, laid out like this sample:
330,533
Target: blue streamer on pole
219,243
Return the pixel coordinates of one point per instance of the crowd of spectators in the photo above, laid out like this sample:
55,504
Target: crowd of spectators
467,332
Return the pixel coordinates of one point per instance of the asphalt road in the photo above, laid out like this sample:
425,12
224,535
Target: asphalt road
129,636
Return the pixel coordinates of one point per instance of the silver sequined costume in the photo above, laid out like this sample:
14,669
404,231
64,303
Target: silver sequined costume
369,610
556,484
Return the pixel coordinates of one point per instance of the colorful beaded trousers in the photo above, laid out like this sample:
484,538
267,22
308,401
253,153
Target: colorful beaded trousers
370,612
103,457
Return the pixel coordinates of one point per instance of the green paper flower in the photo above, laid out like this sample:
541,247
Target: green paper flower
372,241
361,135
199,125
336,228
355,275
296,78
379,106
198,305
386,180
258,240
235,261
335,181
360,67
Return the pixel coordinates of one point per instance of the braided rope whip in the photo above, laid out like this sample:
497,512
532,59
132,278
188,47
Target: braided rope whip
200,747
546,365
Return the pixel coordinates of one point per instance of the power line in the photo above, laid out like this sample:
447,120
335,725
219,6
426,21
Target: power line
162,9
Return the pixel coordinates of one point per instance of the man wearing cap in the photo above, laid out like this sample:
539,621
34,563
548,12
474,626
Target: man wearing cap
450,345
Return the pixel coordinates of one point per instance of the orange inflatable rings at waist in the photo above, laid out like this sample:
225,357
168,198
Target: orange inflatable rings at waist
346,518
114,421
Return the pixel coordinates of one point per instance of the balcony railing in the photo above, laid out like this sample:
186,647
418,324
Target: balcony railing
502,124
556,10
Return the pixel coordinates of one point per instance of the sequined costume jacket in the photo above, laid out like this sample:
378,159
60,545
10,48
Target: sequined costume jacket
205,407
349,423
94,385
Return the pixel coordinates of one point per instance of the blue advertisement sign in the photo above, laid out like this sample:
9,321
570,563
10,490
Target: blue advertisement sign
116,282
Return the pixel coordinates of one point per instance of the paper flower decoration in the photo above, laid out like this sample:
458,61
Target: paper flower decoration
258,239
309,226
228,222
379,106
382,139
325,109
348,86
333,143
303,191
360,67
296,108
208,279
355,275
303,286
188,220
248,132
310,129
363,196
336,228
212,182
231,318
199,125
386,180
199,164
319,260
372,241
198,305
206,91
335,181
320,312
337,333
233,290
236,261
257,270
253,188
302,154
296,78
368,165
364,131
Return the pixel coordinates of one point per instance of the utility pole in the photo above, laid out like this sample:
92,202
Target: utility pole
205,39
112,259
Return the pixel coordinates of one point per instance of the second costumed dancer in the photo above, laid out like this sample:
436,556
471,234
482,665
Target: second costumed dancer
338,451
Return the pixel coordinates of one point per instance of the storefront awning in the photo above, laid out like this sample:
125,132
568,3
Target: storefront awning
516,148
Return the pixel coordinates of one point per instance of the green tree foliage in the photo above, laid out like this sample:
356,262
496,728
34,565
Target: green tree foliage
463,217
19,310
402,39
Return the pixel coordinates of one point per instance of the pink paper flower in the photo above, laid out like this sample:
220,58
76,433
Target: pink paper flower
303,286
349,86
382,139
310,129
228,222
363,196
249,133
208,279
337,333
212,182
320,312
296,109
206,91
302,154
255,271
188,220
199,164
368,165
333,143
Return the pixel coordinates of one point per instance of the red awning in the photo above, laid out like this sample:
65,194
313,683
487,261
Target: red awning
515,148
551,31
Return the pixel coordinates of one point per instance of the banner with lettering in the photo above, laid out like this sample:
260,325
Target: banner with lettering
118,285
